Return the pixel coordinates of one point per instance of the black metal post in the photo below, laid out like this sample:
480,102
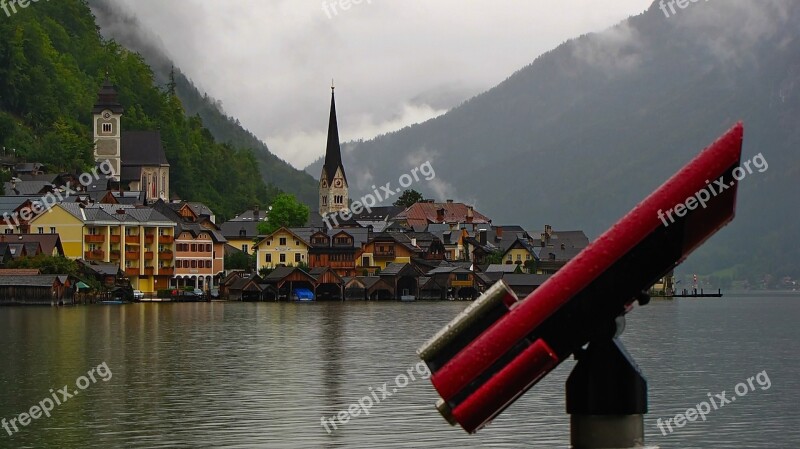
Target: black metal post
606,398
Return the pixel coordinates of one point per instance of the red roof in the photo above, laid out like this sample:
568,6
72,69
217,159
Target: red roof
423,214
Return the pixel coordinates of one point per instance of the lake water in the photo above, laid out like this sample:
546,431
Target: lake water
262,375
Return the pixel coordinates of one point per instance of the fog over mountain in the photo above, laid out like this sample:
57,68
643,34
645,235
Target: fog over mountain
581,135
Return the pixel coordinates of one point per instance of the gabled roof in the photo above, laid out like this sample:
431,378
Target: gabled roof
42,280
422,214
47,242
303,239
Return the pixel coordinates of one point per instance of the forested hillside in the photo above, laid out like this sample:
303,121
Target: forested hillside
117,23
52,62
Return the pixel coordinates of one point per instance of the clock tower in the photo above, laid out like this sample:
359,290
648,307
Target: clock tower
107,117
333,187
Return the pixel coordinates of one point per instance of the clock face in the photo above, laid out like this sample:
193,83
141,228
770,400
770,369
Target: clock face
338,183
106,115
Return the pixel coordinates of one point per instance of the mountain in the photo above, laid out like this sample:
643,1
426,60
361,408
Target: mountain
53,61
583,133
117,24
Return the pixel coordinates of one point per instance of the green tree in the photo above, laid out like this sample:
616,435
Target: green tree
239,261
408,198
285,212
46,264
495,258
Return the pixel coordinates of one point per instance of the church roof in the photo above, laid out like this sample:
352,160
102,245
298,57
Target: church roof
333,152
142,148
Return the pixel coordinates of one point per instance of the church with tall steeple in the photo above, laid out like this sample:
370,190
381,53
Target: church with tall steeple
333,187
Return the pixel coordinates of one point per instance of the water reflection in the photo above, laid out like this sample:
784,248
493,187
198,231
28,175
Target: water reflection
262,375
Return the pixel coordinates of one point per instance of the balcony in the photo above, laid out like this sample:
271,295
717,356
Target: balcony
114,239
115,255
166,256
131,255
167,271
97,254
132,271
148,271
165,239
148,255
149,238
94,238
132,239
384,252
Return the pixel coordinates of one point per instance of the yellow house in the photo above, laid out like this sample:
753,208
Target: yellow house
140,239
519,252
64,223
241,232
282,247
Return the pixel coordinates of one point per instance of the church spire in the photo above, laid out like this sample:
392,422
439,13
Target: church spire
333,152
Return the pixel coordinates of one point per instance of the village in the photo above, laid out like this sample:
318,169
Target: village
127,233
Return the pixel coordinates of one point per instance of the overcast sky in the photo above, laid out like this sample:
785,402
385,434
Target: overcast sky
395,62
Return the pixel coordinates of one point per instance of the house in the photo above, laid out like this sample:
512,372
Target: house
368,288
330,286
336,248
281,248
389,248
242,230
48,244
42,289
138,239
420,215
458,282
199,245
403,278
282,282
249,288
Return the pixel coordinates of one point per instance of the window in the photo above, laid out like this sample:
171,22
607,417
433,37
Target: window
297,258
269,258
9,231
208,248
245,249
242,233
194,248
283,258
107,128
41,230
52,230
208,264
528,257
283,241
194,264
324,200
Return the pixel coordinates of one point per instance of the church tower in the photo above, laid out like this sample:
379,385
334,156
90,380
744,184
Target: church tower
107,117
333,188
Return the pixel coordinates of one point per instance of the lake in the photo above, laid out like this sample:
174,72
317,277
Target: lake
264,375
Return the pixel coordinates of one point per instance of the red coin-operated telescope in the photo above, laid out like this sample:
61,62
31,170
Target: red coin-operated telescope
499,347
